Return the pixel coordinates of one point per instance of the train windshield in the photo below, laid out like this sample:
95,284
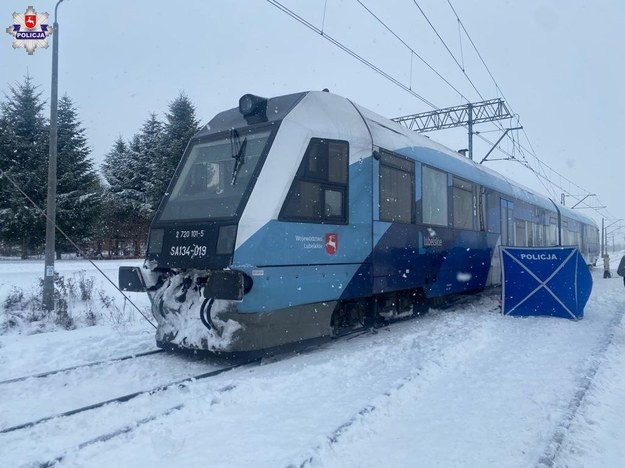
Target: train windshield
215,176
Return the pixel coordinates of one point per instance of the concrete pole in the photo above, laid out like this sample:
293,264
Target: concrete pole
48,275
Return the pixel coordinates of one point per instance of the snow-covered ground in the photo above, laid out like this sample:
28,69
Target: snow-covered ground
462,387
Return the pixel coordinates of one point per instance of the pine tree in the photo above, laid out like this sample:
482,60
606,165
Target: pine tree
181,125
78,189
150,158
137,172
128,169
115,166
117,212
23,155
127,173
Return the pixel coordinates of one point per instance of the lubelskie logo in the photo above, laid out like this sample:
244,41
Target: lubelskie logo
332,243
30,30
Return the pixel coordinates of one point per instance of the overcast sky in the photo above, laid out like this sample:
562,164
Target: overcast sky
559,64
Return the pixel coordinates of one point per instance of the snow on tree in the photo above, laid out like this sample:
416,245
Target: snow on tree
115,167
181,125
78,188
138,172
23,155
149,150
130,171
24,149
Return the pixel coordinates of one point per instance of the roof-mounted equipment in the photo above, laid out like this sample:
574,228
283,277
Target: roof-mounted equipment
253,108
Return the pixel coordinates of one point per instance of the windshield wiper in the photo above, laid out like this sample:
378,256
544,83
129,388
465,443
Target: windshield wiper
238,153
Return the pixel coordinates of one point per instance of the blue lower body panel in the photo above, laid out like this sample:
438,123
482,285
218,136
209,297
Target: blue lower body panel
440,261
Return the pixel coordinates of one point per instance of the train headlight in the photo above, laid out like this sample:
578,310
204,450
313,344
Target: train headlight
225,240
156,241
254,107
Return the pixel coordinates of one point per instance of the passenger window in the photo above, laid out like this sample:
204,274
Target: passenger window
507,222
464,209
396,188
521,233
434,183
318,193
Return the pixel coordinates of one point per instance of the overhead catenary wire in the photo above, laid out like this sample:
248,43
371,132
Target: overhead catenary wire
540,171
3,174
411,50
460,44
499,126
531,151
543,177
462,68
343,47
497,87
461,24
449,50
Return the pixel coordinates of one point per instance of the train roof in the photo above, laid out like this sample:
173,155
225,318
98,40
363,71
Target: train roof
277,108
395,137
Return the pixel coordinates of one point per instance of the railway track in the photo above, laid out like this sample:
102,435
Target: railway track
129,426
109,436
314,455
122,431
132,426
80,366
33,399
125,398
345,335
556,442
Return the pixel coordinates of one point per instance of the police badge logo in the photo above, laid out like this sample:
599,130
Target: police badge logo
30,30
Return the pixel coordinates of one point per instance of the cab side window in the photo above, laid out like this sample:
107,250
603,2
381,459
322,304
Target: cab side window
318,193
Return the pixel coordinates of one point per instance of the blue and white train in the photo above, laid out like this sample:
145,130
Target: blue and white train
299,216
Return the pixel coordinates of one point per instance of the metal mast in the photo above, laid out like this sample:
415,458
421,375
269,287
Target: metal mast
458,116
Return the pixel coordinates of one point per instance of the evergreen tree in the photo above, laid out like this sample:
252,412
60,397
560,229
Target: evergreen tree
127,173
127,209
181,125
23,155
149,157
78,188
137,172
115,167
117,211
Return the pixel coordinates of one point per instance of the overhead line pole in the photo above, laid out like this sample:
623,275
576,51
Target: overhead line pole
456,116
459,116
498,141
585,197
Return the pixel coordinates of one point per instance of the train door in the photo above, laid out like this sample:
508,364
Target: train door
395,235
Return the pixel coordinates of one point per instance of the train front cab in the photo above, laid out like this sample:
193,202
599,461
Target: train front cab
305,236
